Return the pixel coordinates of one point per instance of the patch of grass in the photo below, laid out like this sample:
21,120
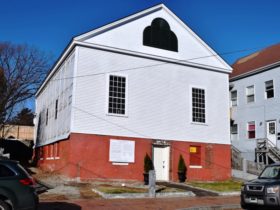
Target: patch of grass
119,189
169,190
225,186
85,190
87,193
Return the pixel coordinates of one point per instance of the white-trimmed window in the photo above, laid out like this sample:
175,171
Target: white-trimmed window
234,98
269,89
195,156
53,151
198,105
251,128
47,116
234,129
250,94
117,95
41,153
56,150
56,109
49,152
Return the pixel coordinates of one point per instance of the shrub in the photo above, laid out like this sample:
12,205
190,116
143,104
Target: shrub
181,164
148,164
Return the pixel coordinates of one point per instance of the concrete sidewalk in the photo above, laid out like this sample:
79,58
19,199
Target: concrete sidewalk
242,175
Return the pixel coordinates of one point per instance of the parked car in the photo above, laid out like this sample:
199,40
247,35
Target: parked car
17,187
264,191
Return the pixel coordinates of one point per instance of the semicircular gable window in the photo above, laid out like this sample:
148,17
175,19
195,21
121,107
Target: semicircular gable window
159,35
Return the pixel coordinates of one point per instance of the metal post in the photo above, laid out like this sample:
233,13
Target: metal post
152,184
244,167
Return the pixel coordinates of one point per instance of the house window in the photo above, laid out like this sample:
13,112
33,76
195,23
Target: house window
117,95
198,105
41,153
234,129
56,107
47,116
159,35
234,98
51,151
251,130
269,90
250,94
56,150
195,156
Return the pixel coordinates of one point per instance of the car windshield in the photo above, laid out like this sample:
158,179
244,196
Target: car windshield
270,172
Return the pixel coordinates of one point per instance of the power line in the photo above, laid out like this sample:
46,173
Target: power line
145,136
159,64
115,124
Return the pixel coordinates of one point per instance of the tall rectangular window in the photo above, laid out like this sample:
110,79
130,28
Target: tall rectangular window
198,105
250,94
234,98
234,129
117,95
195,156
269,89
251,128
56,150
56,108
47,116
41,153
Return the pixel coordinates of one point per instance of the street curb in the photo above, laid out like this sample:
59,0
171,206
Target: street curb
217,207
143,195
232,193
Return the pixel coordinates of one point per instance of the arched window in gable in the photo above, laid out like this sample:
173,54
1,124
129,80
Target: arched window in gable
159,35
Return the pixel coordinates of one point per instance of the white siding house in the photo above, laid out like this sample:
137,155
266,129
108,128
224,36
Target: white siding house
117,84
255,100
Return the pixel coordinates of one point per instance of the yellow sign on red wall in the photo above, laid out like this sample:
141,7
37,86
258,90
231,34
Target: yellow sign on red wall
193,149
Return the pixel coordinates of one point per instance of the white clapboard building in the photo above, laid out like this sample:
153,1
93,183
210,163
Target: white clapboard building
145,84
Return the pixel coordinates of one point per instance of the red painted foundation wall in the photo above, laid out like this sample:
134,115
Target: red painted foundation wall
216,166
87,156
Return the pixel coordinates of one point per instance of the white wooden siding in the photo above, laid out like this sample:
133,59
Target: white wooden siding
259,111
59,87
129,36
158,99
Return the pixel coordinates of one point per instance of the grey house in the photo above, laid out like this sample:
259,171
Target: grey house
255,105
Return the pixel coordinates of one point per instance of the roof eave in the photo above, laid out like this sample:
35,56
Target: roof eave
59,61
142,13
255,71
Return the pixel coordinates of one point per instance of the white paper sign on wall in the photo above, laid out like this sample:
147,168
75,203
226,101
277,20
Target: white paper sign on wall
122,151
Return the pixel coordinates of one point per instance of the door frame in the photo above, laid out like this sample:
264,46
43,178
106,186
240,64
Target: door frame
168,158
267,130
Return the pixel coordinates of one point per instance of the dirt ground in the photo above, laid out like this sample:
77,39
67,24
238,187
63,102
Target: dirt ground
140,204
65,194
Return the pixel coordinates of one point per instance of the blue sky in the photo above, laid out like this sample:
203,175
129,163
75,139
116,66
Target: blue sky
225,25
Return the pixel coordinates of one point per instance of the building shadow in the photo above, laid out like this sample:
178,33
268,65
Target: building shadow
58,206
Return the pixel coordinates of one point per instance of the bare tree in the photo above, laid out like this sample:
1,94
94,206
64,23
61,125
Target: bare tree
23,69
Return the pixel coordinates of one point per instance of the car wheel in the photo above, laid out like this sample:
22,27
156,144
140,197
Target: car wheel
4,206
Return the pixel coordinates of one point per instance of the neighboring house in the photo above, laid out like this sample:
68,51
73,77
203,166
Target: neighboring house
255,101
143,84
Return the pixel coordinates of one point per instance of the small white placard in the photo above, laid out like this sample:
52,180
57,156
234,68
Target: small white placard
122,151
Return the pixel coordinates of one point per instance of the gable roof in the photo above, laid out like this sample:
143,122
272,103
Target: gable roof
80,40
96,32
256,62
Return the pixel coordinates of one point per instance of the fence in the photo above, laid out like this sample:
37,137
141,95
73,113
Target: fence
241,164
17,132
